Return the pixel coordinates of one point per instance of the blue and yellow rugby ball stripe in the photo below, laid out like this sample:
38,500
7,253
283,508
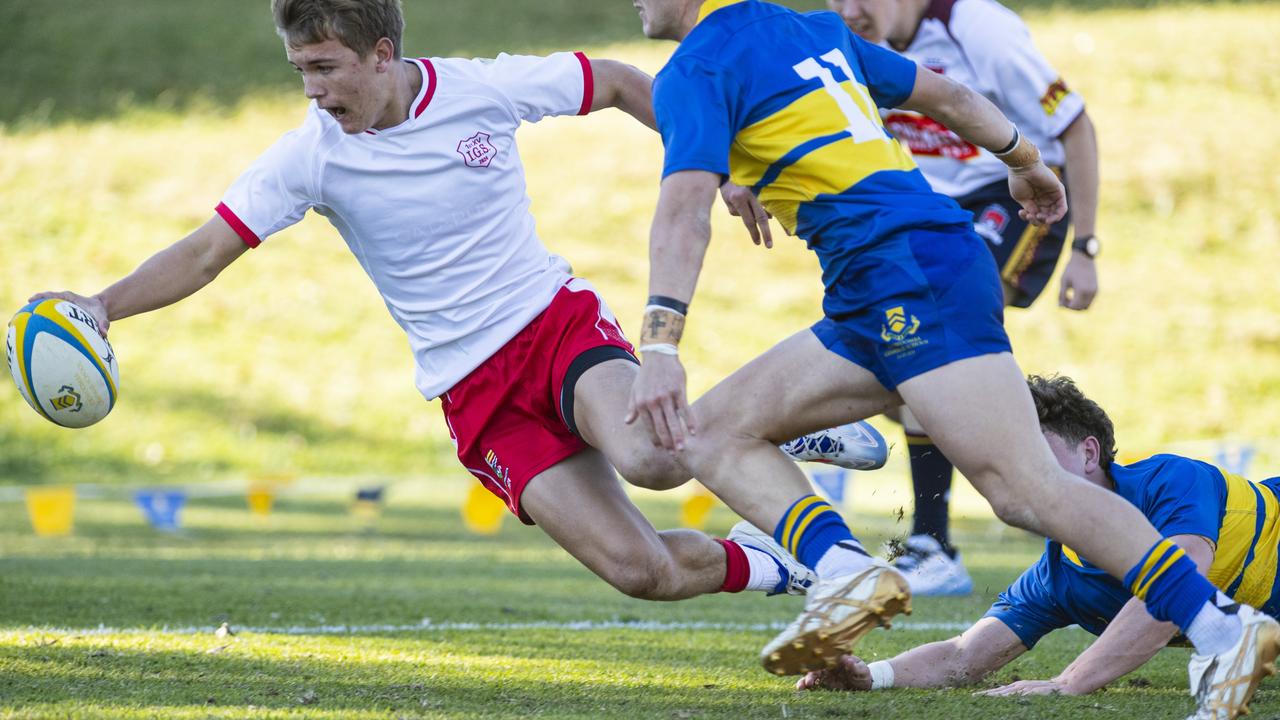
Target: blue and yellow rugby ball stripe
62,367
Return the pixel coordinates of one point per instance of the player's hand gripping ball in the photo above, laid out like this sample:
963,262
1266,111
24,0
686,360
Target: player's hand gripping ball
64,369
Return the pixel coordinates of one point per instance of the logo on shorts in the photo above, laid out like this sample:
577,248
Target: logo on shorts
899,331
501,473
477,151
991,224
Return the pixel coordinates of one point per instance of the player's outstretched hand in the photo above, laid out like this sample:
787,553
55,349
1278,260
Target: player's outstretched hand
658,399
850,674
744,204
1028,687
1039,192
91,305
1079,283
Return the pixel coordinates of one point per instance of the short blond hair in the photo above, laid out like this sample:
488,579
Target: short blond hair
358,24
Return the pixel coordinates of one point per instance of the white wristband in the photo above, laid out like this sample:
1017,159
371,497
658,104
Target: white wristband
881,675
661,348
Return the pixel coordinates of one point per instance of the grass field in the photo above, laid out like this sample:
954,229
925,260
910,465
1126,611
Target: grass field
289,365
327,611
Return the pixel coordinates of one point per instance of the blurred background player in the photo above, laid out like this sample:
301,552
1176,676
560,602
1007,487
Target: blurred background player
986,47
1229,526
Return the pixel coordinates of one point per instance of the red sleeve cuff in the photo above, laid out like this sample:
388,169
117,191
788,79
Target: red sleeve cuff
238,225
588,84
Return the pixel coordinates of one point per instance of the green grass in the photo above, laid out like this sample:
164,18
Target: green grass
310,565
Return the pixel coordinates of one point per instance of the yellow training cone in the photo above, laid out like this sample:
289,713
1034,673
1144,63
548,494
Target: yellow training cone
261,497
694,511
51,509
483,512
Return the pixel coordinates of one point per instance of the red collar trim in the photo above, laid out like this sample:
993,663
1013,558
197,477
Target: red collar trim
429,77
429,83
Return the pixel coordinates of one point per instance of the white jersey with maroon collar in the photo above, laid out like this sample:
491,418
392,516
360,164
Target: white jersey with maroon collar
986,47
434,209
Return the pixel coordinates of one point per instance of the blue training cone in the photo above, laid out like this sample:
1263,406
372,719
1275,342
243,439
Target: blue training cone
161,507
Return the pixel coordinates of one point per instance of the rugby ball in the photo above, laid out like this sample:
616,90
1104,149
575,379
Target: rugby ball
63,368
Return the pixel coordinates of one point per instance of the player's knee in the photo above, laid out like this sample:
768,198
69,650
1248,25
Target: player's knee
703,452
1012,505
643,580
650,468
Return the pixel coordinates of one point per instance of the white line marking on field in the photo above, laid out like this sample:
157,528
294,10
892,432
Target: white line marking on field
428,626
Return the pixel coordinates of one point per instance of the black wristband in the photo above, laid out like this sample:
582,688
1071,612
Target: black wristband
1012,143
669,303
1088,245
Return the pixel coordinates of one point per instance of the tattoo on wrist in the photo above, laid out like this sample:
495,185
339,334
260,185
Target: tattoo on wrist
662,326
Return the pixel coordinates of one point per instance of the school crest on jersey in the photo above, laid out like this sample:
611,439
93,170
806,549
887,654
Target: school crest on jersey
477,151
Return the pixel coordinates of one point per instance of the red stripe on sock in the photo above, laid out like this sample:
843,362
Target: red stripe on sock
737,570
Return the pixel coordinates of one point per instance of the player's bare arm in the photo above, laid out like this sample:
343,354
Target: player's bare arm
962,660
1079,283
1129,641
622,86
170,275
677,245
974,118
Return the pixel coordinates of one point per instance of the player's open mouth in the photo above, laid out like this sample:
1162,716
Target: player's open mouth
337,112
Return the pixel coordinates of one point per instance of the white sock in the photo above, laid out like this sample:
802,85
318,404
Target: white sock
764,571
844,558
1214,631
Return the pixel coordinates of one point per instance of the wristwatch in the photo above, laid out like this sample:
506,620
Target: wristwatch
1087,244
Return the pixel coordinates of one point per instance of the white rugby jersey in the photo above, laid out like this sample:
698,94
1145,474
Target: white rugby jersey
986,47
434,209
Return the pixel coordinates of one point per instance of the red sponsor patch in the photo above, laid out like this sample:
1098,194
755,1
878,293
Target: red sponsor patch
926,136
1052,97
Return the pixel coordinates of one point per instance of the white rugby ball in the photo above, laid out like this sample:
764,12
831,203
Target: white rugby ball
63,368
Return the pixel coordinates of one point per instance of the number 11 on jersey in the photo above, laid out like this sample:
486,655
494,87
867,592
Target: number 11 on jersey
861,127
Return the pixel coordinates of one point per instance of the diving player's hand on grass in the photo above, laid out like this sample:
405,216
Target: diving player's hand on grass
1039,192
744,204
91,305
1029,687
1079,282
850,674
658,398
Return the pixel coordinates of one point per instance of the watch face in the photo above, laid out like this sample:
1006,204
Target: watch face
1092,247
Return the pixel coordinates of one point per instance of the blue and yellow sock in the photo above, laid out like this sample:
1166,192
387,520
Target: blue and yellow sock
1168,581
811,527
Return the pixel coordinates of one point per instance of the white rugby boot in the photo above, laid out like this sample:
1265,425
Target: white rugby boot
837,613
930,571
856,446
796,578
1223,684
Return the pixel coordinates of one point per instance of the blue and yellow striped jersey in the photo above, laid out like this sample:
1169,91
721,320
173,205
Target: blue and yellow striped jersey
1180,496
786,104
